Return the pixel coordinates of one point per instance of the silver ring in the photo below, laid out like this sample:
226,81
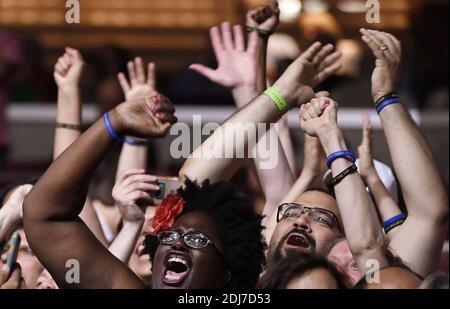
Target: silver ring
384,47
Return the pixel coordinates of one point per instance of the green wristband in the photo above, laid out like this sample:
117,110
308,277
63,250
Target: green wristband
278,100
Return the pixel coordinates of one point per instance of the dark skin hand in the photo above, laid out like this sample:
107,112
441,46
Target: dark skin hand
51,209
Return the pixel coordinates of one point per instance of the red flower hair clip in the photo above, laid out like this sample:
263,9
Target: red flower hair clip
166,212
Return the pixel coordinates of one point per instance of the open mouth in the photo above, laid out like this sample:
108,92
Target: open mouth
297,240
176,269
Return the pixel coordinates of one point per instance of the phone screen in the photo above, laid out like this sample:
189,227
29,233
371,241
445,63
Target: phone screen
167,185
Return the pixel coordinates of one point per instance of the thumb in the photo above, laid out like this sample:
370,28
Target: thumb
330,109
203,70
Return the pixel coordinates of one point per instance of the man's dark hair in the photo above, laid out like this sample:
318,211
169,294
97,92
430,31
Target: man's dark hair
239,228
296,265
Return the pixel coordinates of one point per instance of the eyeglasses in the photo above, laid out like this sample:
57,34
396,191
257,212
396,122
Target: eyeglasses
194,240
320,215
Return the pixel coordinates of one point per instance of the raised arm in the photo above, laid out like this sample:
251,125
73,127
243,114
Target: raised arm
51,209
131,194
294,86
243,71
419,240
361,225
67,74
387,207
134,154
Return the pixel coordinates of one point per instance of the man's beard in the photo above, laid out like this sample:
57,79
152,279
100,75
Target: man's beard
277,255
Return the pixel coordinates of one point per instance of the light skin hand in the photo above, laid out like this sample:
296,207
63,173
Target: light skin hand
11,213
366,167
236,64
138,86
132,189
313,125
308,70
387,64
68,69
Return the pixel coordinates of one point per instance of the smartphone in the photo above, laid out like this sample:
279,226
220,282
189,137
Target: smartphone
167,185
13,250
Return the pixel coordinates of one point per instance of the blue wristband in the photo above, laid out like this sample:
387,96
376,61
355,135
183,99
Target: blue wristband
395,221
340,154
110,128
385,103
133,142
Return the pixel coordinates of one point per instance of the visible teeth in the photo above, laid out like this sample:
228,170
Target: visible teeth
177,259
172,277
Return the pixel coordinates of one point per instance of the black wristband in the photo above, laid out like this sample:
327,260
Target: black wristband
262,33
75,127
336,180
387,96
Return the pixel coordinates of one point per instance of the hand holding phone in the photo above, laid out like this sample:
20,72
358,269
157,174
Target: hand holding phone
167,185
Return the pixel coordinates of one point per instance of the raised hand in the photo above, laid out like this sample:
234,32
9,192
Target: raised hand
139,86
366,166
265,17
68,69
132,192
236,64
314,65
149,117
387,51
11,213
318,116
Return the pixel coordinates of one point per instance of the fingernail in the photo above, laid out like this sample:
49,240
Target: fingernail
159,115
156,99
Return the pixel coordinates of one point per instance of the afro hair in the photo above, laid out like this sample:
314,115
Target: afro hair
239,228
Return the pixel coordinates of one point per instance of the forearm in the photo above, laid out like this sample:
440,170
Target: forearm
132,157
286,143
414,165
68,112
383,200
60,193
216,158
123,245
361,225
270,159
90,218
300,186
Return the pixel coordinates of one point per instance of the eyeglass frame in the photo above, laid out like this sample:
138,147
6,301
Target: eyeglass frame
310,209
181,236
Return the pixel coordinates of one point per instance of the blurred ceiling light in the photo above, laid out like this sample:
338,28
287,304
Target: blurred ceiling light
352,6
289,10
315,6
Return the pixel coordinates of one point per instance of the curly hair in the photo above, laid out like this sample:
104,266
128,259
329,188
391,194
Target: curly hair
239,228
296,265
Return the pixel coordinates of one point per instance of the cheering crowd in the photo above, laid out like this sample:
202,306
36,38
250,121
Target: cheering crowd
337,225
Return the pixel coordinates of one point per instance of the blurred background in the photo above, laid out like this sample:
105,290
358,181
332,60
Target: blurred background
174,34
